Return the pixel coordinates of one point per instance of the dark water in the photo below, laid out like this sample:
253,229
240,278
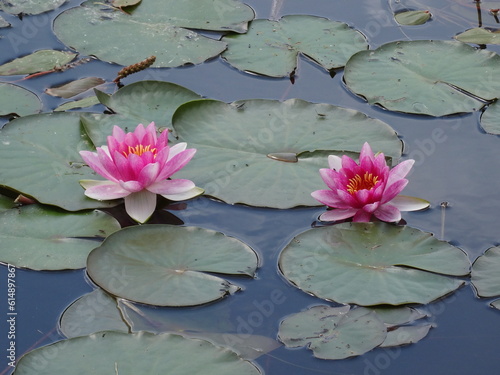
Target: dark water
456,162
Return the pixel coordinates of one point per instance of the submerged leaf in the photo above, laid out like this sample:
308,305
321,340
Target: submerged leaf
42,238
74,88
271,48
82,103
413,17
169,266
372,264
111,352
39,61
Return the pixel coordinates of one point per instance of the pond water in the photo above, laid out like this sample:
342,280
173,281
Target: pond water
456,162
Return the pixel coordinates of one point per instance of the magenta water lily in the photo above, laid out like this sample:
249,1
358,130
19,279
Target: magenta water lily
366,189
137,166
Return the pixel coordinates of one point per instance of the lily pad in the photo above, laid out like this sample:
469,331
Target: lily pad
495,304
111,352
406,335
479,35
372,264
74,88
271,48
490,118
139,102
81,103
6,203
95,311
417,77
333,332
272,147
485,275
412,17
169,266
43,160
29,6
154,28
42,238
39,61
17,100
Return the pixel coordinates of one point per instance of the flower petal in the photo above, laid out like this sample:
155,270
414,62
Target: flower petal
104,190
399,171
176,163
335,162
329,198
174,150
338,214
170,187
141,205
388,213
362,216
118,133
131,186
148,174
405,203
391,191
330,177
93,161
194,192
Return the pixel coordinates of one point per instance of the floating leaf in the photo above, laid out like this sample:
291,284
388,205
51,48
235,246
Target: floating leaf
490,118
272,47
74,88
406,335
372,264
17,100
111,352
479,35
169,266
44,162
95,311
400,315
124,3
42,238
5,203
412,17
139,102
153,28
241,147
496,304
29,6
82,103
39,61
333,332
417,77
485,275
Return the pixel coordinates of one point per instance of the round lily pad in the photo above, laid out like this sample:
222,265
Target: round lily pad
271,48
372,264
169,266
44,162
485,275
271,147
30,6
109,352
17,100
333,332
417,77
95,311
490,118
154,28
42,238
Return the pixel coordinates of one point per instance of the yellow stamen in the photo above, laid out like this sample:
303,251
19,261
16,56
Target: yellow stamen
139,150
356,183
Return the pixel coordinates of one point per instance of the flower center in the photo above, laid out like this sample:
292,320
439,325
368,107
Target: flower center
139,150
356,183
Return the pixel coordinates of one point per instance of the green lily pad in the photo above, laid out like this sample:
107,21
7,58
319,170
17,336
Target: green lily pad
412,17
490,118
154,28
485,275
81,103
495,304
271,48
43,160
42,238
18,100
111,352
417,77
39,61
272,147
169,266
74,88
95,311
30,6
372,264
399,315
479,35
124,3
333,332
6,203
139,102
406,335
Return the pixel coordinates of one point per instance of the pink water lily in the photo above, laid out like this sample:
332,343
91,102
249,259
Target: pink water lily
366,189
137,166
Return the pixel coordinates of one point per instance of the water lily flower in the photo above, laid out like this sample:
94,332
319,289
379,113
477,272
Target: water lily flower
137,166
366,189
